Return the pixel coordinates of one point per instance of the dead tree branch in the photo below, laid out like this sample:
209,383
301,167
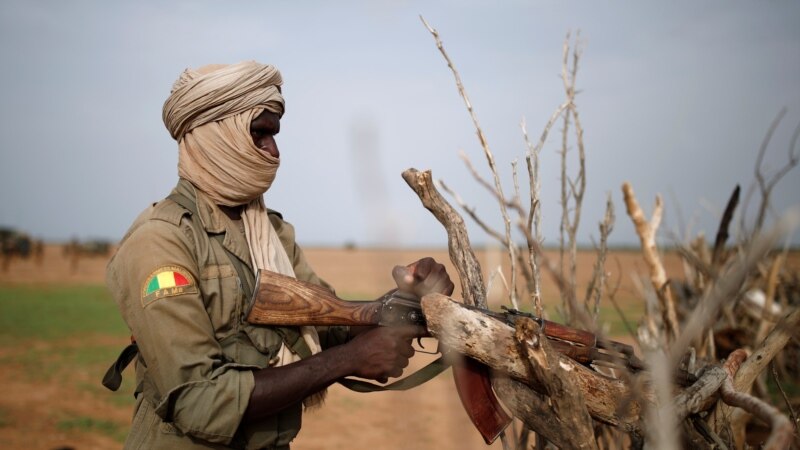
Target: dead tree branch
466,331
473,288
531,408
722,231
594,291
781,428
775,341
765,185
572,198
566,404
658,276
498,187
701,395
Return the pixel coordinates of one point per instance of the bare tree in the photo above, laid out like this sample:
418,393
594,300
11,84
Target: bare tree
592,393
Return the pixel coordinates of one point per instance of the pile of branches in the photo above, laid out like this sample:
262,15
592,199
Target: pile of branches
708,341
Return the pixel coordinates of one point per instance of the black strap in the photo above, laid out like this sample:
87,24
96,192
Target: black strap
415,379
113,377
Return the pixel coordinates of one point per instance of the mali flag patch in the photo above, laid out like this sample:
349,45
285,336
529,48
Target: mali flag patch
167,281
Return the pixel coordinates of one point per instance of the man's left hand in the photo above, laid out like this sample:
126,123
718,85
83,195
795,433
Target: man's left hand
425,276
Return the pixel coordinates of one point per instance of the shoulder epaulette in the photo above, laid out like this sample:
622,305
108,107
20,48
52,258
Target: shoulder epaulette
169,211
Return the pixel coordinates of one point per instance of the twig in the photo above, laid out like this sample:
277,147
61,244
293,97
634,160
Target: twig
722,231
764,185
785,398
486,151
775,341
569,226
613,299
658,276
701,395
701,426
694,260
473,214
598,281
781,429
532,228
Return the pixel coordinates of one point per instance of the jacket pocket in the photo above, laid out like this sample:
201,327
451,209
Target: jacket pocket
222,297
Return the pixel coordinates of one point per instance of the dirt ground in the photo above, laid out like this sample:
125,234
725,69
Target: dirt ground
428,417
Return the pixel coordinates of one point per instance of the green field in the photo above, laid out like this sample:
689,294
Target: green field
57,312
65,336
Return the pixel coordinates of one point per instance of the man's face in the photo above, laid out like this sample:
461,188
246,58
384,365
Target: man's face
263,130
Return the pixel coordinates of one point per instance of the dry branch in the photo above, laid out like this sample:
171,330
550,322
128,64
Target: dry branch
647,235
498,187
566,404
701,395
763,355
493,343
577,187
473,288
766,185
724,224
597,283
531,408
781,428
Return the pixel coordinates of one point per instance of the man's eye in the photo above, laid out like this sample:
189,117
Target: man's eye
262,132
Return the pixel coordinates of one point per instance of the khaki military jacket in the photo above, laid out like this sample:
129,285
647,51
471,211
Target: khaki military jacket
179,293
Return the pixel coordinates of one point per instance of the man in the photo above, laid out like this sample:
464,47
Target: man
184,273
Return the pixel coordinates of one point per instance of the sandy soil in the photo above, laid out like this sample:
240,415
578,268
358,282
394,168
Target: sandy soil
428,417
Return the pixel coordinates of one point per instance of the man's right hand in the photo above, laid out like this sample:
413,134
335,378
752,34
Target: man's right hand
376,354
383,352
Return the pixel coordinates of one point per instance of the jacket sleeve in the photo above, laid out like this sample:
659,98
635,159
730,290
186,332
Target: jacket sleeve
196,388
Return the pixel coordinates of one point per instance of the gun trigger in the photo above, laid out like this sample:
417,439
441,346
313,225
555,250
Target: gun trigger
419,341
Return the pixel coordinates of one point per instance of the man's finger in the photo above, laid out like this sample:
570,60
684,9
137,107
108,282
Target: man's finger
403,276
422,268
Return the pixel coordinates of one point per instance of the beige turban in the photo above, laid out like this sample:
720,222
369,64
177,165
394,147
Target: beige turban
217,91
209,113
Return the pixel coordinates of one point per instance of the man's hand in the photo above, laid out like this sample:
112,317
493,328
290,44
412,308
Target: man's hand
383,352
425,276
376,354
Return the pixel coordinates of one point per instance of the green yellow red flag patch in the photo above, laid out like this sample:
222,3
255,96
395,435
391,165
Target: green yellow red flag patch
167,281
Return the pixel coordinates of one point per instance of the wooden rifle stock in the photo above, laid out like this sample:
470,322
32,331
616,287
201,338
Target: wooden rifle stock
282,300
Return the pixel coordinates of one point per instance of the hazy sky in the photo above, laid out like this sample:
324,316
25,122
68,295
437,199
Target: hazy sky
676,98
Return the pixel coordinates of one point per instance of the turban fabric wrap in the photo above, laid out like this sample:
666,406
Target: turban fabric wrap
209,112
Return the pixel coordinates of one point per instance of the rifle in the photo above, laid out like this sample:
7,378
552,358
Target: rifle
286,301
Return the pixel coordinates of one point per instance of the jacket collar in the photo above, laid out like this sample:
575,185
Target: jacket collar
214,221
